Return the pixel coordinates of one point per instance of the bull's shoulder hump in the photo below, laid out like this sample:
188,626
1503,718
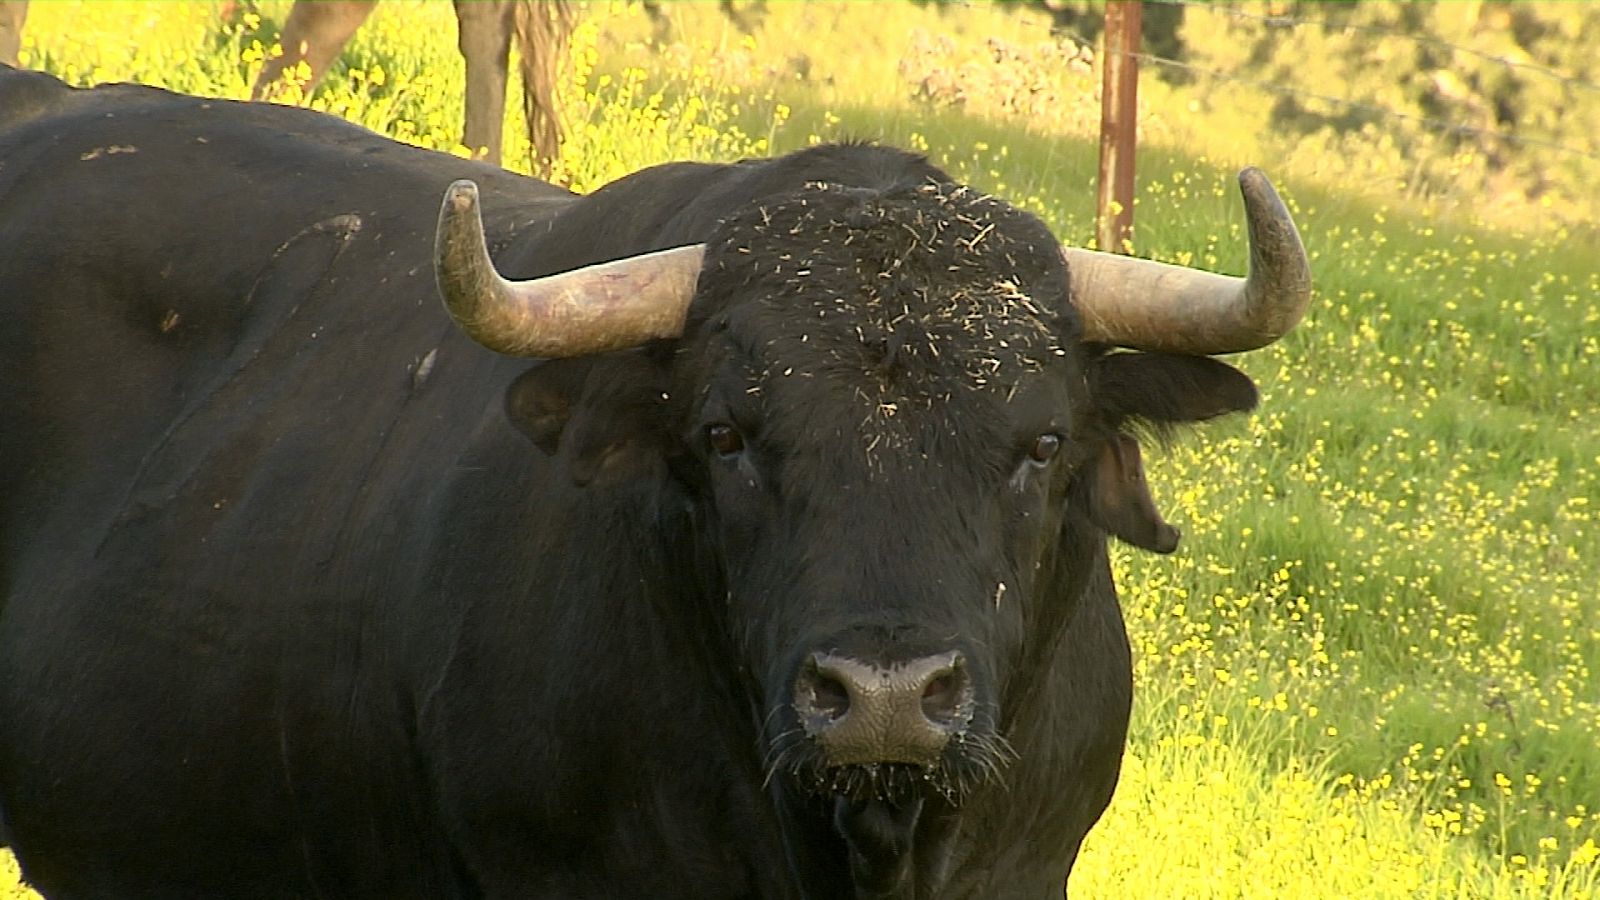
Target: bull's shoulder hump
26,96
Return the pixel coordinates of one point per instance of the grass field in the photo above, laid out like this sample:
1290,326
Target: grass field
1370,670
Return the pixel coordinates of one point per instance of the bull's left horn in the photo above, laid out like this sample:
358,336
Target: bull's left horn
602,307
1154,306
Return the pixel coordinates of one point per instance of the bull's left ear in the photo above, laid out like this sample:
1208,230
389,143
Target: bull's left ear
1120,501
1160,390
1167,388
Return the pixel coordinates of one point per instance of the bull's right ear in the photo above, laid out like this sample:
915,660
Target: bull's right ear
604,417
540,402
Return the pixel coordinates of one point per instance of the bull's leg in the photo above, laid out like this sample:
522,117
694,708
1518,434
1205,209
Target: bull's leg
315,33
484,36
12,14
660,24
745,22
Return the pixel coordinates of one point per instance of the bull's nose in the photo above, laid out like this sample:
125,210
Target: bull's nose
862,713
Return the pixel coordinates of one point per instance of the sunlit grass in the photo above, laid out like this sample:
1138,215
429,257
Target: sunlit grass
10,879
1370,669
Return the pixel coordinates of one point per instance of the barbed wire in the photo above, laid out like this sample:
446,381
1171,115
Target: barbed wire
1283,21
1441,125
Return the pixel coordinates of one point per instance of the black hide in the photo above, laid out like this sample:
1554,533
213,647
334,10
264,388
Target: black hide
308,595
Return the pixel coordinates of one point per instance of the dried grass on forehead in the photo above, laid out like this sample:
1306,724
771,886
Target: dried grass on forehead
933,281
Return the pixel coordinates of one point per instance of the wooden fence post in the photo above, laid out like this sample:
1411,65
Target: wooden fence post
1119,103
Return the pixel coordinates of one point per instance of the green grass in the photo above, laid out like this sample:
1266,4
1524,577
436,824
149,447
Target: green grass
1370,670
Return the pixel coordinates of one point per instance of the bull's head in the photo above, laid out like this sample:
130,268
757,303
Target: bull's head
903,443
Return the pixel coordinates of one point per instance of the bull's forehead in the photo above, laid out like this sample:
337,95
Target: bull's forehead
899,316
906,294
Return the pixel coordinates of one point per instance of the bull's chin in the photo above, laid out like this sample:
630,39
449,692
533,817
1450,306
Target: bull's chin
882,843
894,818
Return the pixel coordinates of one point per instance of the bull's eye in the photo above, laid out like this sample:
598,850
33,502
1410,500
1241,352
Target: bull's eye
1044,448
725,440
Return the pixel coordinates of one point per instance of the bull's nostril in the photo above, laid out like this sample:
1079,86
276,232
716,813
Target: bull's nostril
828,697
862,713
943,697
821,693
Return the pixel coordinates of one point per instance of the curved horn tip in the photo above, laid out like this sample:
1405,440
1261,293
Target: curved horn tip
461,195
1257,187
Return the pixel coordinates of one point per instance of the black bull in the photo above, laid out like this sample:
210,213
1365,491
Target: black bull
308,594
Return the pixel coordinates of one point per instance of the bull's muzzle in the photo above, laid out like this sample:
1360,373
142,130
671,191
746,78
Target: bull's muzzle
863,714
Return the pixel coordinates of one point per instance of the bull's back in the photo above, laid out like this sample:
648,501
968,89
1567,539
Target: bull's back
171,265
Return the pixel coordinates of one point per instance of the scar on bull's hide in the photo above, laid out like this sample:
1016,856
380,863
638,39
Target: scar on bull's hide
1120,502
98,152
424,368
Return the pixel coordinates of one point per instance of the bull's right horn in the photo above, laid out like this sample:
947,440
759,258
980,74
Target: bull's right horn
1149,305
602,307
